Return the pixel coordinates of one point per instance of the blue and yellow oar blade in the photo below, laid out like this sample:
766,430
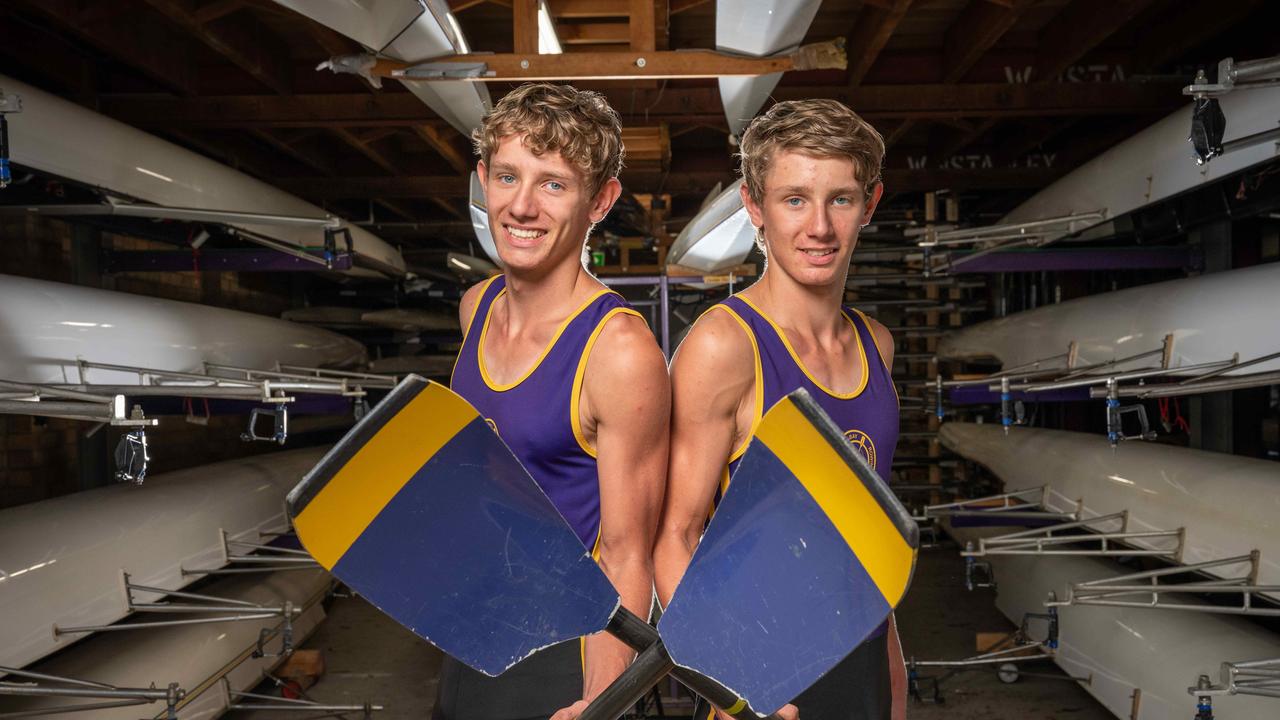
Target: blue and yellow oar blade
424,511
806,556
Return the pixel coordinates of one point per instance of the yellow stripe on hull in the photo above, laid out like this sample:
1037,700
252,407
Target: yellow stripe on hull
352,498
854,511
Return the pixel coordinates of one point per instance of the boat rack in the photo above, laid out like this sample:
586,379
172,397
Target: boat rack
1059,372
1255,677
1036,233
1111,591
58,686
269,558
1043,541
1018,505
258,702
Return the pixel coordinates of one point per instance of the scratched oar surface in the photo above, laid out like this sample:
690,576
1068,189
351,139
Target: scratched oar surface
808,553
426,513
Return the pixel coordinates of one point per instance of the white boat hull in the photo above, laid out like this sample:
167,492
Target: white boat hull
63,139
410,31
1211,317
757,28
197,657
61,560
720,236
46,326
1156,164
1122,650
1229,505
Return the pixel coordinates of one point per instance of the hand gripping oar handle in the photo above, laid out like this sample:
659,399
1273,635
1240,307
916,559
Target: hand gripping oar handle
649,667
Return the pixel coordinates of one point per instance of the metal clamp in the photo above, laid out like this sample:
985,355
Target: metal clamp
280,425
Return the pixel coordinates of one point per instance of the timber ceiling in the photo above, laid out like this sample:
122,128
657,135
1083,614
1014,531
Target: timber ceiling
989,99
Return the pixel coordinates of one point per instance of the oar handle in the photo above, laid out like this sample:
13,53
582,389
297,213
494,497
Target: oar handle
640,635
650,666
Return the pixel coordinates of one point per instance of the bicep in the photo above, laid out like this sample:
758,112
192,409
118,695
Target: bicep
628,395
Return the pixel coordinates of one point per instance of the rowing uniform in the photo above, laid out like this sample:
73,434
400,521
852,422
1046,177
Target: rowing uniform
859,686
537,417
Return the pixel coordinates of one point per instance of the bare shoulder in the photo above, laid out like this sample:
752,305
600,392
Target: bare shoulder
884,339
717,350
626,354
467,306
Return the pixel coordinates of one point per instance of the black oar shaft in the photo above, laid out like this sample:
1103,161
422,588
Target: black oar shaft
649,668
640,635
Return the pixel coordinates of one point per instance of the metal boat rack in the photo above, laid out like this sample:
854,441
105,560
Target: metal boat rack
58,686
1099,537
269,558
1004,660
1255,677
1060,372
270,703
1035,233
1111,591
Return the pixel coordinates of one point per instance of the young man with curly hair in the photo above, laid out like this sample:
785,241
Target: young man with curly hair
811,181
569,376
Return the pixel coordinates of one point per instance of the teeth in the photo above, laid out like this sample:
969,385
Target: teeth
817,253
526,234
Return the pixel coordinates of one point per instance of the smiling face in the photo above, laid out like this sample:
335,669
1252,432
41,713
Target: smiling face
810,211
540,207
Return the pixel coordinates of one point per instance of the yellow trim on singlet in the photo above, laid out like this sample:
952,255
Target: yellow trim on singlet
484,331
575,396
866,321
862,353
466,327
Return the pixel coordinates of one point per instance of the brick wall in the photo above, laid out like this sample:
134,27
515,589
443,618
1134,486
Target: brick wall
40,457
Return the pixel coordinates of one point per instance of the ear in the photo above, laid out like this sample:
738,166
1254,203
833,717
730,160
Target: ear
604,200
753,210
483,172
873,202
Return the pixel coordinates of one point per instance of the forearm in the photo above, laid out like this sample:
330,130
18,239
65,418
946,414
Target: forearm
671,556
605,657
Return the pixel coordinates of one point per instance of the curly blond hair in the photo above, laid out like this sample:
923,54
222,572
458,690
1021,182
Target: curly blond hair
578,124
821,128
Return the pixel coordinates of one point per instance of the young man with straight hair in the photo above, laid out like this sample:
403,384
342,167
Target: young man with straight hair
567,374
811,181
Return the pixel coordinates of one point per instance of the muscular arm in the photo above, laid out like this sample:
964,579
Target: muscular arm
626,400
712,378
467,306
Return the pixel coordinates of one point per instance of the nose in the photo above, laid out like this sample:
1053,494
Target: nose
524,204
819,225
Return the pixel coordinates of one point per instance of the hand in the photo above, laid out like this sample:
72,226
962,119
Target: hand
571,712
786,712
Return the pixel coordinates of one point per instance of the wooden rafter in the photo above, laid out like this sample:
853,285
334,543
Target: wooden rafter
1077,30
438,140
643,26
871,31
979,27
571,9
524,26
264,60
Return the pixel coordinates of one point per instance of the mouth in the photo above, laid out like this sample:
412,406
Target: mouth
524,233
819,253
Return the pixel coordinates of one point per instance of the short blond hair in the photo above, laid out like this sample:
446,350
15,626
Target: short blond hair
820,128
578,124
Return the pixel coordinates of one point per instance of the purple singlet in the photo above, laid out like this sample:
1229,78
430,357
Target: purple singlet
868,416
537,415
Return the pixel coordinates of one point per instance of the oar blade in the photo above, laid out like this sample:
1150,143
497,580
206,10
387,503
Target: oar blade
807,555
424,511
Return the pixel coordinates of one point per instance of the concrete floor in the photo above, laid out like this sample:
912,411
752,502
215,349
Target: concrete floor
371,658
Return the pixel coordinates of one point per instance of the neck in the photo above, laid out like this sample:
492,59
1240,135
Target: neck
550,294
812,310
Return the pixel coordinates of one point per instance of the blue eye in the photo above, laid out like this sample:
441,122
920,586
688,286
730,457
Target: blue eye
553,185
794,201
843,201
507,179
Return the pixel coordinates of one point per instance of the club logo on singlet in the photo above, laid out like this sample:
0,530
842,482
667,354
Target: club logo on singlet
493,425
862,442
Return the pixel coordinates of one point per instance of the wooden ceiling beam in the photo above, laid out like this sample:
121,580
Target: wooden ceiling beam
261,57
980,26
438,140
1077,30
594,33
676,105
871,31
643,26
1176,34
572,9
321,166
131,43
364,148
524,27
679,6
217,9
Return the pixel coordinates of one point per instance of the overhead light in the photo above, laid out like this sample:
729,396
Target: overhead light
548,42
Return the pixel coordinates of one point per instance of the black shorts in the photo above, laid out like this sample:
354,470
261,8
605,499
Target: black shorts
532,690
859,688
